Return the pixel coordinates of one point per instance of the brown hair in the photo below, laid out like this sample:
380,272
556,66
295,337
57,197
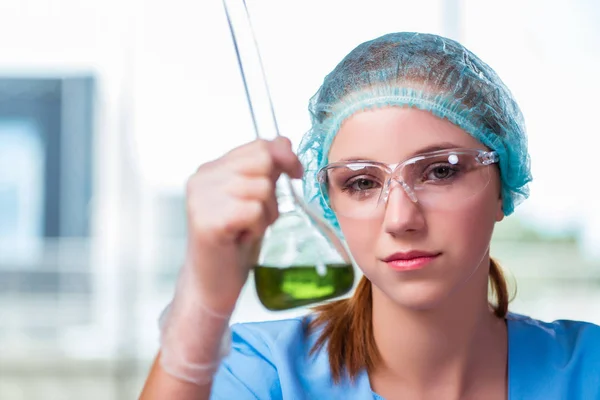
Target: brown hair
348,326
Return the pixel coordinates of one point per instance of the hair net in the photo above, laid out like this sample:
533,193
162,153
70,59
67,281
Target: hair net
428,72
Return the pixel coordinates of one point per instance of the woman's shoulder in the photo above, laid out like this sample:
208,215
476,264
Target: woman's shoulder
273,359
563,335
561,357
290,329
274,339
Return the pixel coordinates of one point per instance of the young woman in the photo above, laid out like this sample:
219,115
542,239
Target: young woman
416,150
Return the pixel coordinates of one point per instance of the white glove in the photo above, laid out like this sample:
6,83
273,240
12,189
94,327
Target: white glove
193,338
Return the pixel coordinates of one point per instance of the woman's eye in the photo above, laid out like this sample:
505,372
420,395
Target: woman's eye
362,184
440,172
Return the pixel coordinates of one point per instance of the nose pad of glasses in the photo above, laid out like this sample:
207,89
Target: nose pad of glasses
385,193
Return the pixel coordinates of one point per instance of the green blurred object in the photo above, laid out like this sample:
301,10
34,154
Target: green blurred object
285,288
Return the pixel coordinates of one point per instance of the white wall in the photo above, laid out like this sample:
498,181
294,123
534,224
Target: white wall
52,38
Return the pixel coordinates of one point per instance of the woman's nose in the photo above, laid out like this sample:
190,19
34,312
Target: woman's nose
402,211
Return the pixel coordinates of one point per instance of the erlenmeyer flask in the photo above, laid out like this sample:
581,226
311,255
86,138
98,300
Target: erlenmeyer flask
302,260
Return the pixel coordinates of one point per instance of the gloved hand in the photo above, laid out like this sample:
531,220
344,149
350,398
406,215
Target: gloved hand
230,203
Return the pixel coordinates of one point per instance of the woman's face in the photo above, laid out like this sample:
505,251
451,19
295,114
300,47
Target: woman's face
459,236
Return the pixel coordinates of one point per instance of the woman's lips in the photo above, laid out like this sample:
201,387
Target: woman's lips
410,261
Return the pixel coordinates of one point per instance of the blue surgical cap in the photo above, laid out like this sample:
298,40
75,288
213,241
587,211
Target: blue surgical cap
430,73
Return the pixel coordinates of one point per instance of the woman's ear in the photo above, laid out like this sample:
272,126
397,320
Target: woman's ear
499,211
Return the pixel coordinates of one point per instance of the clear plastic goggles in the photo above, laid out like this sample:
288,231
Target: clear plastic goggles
443,179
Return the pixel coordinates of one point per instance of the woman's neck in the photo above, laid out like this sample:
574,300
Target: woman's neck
445,351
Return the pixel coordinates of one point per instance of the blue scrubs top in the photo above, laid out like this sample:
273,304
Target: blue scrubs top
269,360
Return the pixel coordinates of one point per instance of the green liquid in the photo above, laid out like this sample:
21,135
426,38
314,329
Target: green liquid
285,288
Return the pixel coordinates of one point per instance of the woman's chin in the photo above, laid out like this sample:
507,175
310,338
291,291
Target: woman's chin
420,296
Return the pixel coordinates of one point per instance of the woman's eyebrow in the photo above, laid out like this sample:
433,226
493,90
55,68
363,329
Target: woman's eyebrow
436,147
355,159
426,149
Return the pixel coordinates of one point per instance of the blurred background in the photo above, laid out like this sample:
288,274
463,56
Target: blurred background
106,108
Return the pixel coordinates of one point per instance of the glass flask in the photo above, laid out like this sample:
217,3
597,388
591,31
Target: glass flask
302,260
